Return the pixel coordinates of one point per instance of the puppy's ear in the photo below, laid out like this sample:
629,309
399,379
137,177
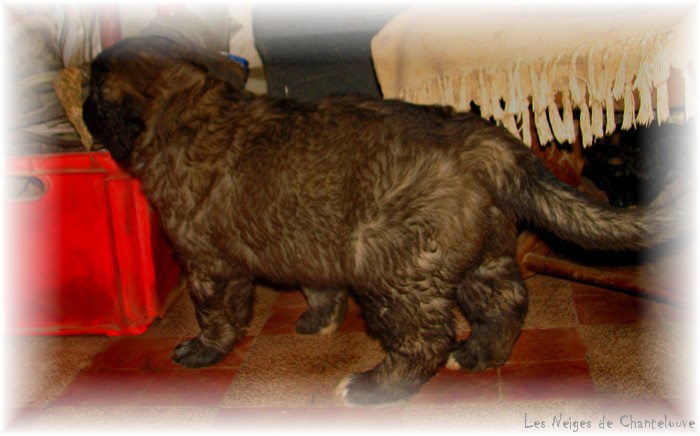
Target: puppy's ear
114,124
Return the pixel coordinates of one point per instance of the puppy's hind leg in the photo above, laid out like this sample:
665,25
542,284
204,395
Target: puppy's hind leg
494,300
223,309
416,329
326,312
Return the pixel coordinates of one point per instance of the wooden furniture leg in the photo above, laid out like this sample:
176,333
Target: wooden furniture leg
535,257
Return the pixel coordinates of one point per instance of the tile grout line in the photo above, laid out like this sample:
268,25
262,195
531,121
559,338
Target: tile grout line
578,326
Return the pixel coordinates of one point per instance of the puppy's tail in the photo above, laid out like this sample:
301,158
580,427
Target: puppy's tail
533,194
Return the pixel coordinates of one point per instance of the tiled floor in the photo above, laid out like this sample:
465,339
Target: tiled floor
585,352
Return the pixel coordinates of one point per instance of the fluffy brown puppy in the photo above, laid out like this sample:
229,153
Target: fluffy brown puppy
412,207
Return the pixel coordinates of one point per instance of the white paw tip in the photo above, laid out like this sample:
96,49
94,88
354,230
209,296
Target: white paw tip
329,329
452,363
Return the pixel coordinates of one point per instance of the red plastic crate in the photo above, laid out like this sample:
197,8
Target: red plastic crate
85,254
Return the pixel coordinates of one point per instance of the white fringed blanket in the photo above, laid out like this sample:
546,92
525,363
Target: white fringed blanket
513,60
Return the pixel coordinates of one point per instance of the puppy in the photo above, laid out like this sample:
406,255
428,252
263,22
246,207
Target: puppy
411,207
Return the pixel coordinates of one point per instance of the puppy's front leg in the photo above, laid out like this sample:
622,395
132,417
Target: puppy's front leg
223,309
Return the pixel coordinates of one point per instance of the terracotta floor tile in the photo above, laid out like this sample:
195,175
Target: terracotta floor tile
450,386
354,322
290,298
642,360
106,388
547,287
179,321
264,299
188,387
548,344
41,367
614,309
551,312
236,356
137,352
546,380
580,343
578,289
182,387
298,371
282,319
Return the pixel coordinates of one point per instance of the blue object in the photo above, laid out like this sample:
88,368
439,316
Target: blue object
242,61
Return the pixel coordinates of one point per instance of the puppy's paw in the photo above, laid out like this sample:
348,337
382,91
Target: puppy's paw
313,323
363,390
471,362
469,356
453,364
194,354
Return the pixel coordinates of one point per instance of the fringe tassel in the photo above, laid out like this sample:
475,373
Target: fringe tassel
556,122
578,98
690,95
525,128
585,121
510,124
662,109
496,108
513,101
539,105
596,88
543,131
463,99
610,123
485,103
619,84
661,69
522,105
607,83
642,85
573,80
569,126
597,119
628,120
443,92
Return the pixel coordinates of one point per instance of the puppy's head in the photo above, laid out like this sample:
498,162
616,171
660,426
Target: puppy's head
130,76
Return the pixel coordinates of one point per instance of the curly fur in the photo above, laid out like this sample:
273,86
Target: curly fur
413,208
